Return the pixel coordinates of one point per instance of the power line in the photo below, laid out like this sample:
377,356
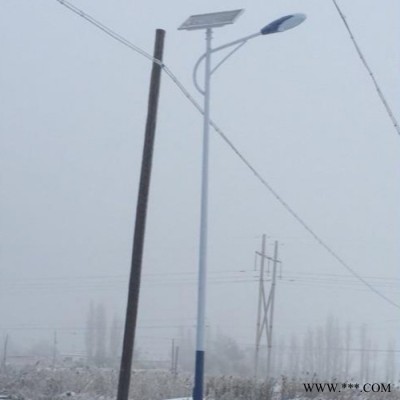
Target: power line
349,280
315,348
331,275
108,31
189,277
118,284
326,285
124,276
185,275
186,93
367,67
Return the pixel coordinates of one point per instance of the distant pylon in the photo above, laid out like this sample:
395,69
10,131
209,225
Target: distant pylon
265,309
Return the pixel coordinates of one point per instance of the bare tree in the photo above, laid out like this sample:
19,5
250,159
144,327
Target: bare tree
390,362
294,358
308,353
332,345
101,334
90,334
347,361
186,349
320,351
336,349
226,357
364,361
115,341
280,356
374,361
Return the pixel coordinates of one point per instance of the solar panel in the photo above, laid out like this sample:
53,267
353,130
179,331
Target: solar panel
211,20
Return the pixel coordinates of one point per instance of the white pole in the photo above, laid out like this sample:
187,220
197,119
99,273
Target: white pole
201,301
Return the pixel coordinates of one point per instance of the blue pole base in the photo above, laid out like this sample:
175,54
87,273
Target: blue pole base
199,376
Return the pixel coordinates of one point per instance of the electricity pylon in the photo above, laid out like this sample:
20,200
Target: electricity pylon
265,310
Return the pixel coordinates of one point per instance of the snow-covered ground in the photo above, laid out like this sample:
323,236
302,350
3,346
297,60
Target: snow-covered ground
89,383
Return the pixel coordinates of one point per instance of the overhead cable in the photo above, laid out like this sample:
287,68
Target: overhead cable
187,94
367,67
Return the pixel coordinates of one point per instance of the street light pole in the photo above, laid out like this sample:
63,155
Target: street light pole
202,279
207,22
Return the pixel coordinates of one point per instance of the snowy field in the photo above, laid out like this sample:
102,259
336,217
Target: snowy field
88,383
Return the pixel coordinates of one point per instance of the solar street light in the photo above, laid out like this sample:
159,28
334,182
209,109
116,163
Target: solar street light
208,22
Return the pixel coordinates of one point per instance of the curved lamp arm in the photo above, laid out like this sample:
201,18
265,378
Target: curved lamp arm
280,25
238,42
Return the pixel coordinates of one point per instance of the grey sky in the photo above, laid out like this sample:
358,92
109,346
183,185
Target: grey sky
299,105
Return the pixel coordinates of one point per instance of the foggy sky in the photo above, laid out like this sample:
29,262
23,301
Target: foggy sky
299,105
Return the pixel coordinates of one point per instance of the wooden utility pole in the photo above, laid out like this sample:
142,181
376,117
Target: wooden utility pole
140,223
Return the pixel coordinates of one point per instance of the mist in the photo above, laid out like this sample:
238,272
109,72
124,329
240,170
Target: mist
299,106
